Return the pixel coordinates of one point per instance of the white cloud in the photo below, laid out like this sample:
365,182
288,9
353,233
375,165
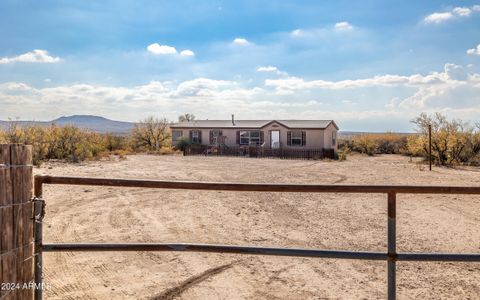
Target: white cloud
15,86
474,51
453,95
241,41
292,84
438,17
202,87
158,49
271,69
455,72
267,69
398,98
462,11
47,80
187,53
453,89
343,26
457,12
35,56
161,49
349,102
322,32
296,32
203,96
393,103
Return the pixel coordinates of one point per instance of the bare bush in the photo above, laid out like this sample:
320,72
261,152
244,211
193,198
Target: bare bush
186,118
151,134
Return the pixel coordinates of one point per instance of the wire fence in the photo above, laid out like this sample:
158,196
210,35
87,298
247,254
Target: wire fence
16,222
391,256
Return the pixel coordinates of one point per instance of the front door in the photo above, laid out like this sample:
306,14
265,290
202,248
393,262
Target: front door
275,139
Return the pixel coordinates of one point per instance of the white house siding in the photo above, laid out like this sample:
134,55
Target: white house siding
315,138
328,132
275,126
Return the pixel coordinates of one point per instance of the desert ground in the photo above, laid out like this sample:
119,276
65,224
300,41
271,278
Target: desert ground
425,223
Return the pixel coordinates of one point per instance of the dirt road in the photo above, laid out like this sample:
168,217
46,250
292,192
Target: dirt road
327,221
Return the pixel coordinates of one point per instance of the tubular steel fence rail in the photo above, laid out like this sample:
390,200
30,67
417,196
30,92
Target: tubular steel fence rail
391,256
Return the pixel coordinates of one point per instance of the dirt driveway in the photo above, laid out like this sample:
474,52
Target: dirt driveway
327,221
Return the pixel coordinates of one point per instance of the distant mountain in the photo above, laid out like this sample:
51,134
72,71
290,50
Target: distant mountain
94,123
350,134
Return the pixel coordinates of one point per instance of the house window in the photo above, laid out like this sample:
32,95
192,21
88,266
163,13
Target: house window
254,137
249,137
296,139
196,136
334,138
177,135
244,137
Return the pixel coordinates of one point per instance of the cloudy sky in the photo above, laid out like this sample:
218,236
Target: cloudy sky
369,65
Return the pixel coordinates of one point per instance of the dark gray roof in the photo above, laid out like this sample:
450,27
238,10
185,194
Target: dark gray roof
307,124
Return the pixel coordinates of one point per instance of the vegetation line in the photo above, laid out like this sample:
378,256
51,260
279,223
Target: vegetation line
74,144
454,142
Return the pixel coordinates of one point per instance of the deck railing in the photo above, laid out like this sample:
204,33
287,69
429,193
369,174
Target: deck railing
260,152
391,255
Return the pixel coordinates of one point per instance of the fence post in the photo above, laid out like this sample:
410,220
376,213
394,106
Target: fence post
392,245
430,147
39,212
16,214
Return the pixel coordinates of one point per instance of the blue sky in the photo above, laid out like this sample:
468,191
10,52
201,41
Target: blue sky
370,65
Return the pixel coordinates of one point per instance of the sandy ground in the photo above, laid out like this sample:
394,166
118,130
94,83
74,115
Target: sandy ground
326,221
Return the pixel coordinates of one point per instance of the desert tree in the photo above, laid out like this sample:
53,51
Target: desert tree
14,133
114,142
151,133
186,118
452,141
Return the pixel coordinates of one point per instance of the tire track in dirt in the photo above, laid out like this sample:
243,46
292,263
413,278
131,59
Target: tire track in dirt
148,220
81,286
137,218
177,290
62,260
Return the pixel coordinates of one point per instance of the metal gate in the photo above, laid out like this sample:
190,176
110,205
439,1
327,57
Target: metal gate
391,256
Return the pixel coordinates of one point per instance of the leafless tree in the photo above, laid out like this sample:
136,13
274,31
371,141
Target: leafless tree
151,133
186,118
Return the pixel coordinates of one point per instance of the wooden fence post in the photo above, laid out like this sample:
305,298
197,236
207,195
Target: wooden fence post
16,219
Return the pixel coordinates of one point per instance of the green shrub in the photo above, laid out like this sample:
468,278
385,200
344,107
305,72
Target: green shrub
182,144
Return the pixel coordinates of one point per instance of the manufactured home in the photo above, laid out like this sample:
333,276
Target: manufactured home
285,134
